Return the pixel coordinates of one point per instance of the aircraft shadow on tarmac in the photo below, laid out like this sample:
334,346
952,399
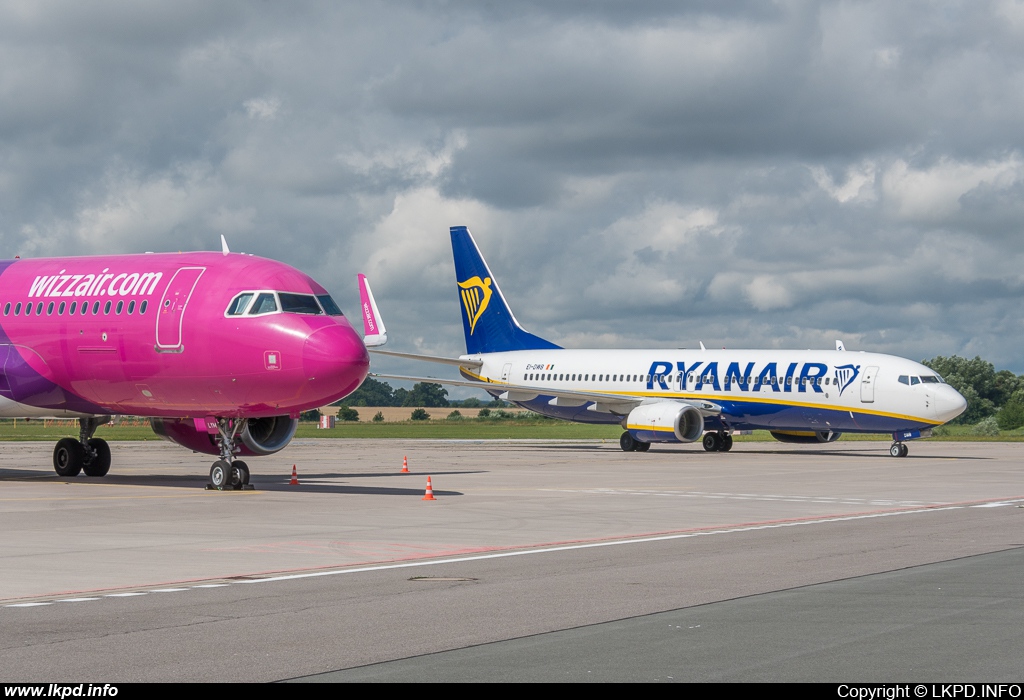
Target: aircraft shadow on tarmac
322,482
844,451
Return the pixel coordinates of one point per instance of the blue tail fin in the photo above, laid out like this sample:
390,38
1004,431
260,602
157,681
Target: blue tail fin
486,318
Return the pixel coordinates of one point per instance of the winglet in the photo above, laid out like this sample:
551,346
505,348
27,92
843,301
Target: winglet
374,332
840,346
702,346
224,245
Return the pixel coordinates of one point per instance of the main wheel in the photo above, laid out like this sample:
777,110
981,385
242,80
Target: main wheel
642,446
220,475
239,475
726,443
627,443
68,457
711,442
896,449
904,450
100,464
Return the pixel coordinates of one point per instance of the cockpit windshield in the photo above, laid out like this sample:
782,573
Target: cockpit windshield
329,306
923,379
299,304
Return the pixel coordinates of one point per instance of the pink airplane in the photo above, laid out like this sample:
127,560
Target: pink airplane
222,351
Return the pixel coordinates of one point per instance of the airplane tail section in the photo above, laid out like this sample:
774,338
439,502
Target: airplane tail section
486,318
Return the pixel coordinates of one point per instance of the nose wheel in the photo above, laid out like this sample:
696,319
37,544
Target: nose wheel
899,449
228,473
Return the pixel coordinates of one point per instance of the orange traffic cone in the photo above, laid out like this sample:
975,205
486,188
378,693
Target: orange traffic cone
429,495
405,465
295,477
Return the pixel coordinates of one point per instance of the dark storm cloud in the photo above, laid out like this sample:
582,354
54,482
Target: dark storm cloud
659,173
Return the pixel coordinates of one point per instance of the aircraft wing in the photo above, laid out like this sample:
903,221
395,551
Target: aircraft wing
431,358
606,403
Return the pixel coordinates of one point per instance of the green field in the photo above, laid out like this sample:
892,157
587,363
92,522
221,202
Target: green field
482,429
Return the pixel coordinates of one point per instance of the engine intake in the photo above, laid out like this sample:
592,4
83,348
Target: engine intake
665,421
258,436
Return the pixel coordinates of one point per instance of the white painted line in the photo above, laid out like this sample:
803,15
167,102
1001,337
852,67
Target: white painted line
26,605
125,595
592,545
167,590
991,505
212,585
75,600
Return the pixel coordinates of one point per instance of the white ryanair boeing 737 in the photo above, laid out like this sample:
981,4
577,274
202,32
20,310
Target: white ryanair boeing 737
800,396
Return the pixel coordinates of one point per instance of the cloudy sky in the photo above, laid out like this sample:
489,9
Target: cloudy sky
637,173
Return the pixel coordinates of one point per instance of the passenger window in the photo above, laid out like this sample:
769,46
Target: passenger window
60,309
238,304
264,304
49,309
73,309
95,308
120,307
28,309
7,308
39,308
106,308
142,307
17,309
131,307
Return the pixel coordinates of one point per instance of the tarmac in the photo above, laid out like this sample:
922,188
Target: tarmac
539,561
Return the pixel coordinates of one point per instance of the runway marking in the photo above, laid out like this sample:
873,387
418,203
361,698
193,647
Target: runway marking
547,549
168,590
606,543
829,500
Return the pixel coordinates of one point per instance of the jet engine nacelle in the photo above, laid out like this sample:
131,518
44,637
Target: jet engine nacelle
258,436
806,438
665,421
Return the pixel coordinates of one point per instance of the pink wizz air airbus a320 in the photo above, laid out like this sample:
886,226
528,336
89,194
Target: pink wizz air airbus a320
222,351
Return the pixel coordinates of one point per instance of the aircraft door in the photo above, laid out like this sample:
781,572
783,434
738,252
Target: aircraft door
171,312
506,371
867,385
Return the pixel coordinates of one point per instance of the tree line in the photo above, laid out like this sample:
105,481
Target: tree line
374,392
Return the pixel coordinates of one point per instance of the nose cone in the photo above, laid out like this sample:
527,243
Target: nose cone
335,361
949,403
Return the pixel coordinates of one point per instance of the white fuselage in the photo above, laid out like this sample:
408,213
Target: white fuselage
770,389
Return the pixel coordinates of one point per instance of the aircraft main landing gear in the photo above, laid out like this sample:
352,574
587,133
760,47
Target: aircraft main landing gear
717,442
899,449
228,473
89,454
630,444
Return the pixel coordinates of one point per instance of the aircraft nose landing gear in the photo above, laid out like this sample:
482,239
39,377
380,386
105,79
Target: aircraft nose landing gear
228,473
899,449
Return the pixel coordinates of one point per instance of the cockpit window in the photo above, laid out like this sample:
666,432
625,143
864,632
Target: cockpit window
915,380
238,304
265,303
299,304
904,379
929,379
329,306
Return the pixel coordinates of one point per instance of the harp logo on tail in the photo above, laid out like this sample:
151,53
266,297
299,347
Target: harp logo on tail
476,295
845,376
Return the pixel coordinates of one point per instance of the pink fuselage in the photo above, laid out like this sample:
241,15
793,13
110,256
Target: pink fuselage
183,356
